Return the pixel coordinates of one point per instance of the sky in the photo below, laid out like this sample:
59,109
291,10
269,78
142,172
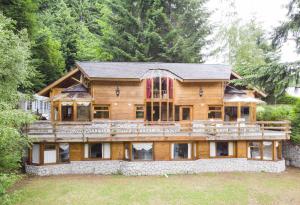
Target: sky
268,12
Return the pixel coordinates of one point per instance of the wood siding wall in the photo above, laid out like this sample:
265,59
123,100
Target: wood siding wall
162,150
76,151
117,151
203,150
122,107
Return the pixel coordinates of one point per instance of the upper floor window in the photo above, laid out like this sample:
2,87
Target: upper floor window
159,87
215,112
139,112
101,112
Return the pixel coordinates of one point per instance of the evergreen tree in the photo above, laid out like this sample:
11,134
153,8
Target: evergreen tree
154,30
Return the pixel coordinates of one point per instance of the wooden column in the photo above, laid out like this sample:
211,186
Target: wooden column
59,111
74,111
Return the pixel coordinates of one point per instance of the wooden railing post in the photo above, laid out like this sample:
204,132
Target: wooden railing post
263,130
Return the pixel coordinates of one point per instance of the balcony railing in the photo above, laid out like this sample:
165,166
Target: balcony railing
121,130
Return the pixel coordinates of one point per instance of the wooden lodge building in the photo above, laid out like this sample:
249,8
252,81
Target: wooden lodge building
153,118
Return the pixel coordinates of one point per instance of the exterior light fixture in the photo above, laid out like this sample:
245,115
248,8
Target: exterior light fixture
201,92
117,91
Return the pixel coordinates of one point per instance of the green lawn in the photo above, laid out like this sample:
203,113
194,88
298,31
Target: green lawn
210,188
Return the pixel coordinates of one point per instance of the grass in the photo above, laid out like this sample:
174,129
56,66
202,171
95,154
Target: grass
210,188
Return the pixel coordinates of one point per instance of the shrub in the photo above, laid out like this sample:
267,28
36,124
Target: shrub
287,99
274,112
296,123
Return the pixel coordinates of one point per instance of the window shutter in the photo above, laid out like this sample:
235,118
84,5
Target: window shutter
212,147
86,151
189,150
106,150
230,148
170,88
172,151
149,86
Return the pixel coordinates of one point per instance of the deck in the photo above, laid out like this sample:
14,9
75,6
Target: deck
159,131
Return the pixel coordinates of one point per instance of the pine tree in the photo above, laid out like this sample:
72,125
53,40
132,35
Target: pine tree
154,30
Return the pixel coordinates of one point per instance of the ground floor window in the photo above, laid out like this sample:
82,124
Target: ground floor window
231,113
83,111
67,111
139,112
101,112
181,151
215,112
142,151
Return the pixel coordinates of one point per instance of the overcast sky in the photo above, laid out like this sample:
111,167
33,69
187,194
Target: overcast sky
268,12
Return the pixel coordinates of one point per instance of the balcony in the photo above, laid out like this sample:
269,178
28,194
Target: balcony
158,131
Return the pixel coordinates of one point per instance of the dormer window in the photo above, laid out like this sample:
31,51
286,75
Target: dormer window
159,88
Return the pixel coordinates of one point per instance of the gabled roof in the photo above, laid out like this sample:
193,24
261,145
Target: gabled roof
75,88
136,70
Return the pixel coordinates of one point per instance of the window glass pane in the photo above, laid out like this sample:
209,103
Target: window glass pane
245,113
67,112
148,111
186,114
101,108
64,152
268,150
101,112
164,111
214,108
156,87
83,113
170,111
230,113
181,151
254,150
142,151
49,147
176,113
95,150
222,148
164,88
155,111
140,114
214,115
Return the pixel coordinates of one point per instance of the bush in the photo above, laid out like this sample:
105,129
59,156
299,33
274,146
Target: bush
6,181
296,123
274,112
287,99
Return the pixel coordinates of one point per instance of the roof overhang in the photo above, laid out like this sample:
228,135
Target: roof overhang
47,89
263,94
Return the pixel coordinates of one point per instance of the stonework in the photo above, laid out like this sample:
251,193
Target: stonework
291,153
158,167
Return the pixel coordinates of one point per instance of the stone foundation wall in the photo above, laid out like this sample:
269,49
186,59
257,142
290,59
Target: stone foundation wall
291,154
158,167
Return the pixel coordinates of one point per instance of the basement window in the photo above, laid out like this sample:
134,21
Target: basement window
254,150
64,152
142,151
267,150
181,151
222,149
